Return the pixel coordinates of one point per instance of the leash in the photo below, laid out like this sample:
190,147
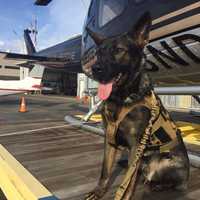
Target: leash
131,174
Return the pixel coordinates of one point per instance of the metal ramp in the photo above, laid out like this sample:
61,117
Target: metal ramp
17,183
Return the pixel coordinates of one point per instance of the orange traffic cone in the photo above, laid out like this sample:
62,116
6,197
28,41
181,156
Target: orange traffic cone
85,100
23,107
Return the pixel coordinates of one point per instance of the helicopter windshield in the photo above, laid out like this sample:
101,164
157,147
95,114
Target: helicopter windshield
110,9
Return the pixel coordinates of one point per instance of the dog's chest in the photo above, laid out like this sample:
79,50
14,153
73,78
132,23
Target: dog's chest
121,123
111,111
123,114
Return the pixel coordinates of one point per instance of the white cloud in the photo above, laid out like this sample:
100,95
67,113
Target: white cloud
12,46
1,43
66,19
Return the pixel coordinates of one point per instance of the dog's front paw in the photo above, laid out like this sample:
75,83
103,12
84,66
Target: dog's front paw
91,196
96,194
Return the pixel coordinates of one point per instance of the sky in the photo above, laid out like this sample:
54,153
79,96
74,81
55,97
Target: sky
61,20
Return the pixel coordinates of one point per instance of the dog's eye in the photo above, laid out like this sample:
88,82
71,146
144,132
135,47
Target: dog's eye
119,50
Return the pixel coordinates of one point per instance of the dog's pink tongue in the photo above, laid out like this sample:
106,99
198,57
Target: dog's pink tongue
104,90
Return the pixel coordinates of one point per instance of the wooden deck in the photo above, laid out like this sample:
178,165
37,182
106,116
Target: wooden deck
68,161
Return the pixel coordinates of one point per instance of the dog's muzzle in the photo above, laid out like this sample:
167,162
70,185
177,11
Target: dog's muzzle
93,69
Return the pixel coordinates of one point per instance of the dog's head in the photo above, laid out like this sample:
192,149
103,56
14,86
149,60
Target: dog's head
118,59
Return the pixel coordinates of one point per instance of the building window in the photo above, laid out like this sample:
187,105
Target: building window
12,67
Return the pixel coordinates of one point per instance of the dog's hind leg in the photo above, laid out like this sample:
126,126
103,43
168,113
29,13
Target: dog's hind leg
165,173
169,171
103,184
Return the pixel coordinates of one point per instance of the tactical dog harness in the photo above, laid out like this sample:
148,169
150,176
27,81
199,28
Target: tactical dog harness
160,134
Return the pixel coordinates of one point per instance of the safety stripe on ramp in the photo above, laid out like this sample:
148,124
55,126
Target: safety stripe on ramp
93,118
17,183
186,128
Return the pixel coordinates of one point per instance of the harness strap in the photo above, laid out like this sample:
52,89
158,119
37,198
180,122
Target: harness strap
167,125
112,127
111,132
168,146
162,148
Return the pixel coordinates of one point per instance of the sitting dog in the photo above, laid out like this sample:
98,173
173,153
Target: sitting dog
134,117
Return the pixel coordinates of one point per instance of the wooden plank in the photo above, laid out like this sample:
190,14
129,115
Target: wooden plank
68,162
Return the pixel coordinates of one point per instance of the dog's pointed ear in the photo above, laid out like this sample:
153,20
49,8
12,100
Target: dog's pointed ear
140,32
98,39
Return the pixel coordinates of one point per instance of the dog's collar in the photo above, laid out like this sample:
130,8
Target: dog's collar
143,90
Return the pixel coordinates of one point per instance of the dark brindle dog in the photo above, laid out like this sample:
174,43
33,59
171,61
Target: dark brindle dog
134,116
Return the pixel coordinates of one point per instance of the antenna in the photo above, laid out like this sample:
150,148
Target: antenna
84,5
21,45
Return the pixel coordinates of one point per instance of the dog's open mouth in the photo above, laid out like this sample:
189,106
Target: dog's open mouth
105,90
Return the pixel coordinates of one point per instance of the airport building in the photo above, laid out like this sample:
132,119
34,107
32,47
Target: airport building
9,72
62,83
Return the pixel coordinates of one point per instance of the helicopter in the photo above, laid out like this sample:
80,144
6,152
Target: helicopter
173,54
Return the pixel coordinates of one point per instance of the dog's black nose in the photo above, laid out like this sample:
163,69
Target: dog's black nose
97,69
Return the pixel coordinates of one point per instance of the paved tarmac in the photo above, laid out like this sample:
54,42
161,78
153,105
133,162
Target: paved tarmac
65,159
43,111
